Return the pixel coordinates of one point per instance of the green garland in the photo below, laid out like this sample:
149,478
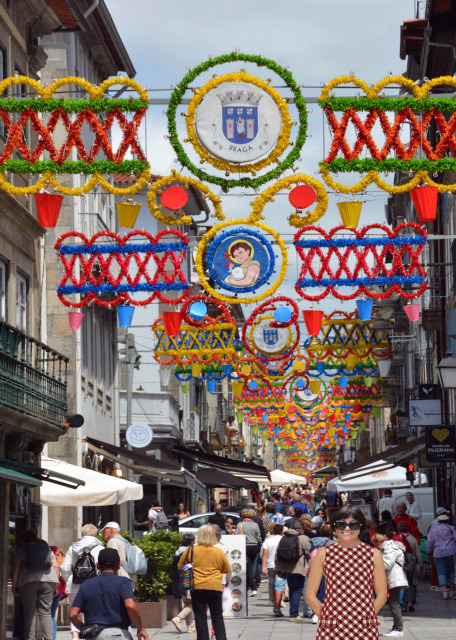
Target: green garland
72,106
389,165
225,184
389,104
69,166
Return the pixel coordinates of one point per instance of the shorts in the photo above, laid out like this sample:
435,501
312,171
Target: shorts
279,583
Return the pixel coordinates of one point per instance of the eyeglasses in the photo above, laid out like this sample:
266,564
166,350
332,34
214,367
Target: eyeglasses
340,525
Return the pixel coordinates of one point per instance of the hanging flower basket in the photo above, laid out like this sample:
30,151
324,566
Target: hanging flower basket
48,207
127,212
350,213
425,201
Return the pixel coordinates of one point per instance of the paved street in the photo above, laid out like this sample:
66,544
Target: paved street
433,618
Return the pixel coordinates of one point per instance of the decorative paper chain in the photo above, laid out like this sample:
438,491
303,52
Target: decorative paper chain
136,262
354,254
214,343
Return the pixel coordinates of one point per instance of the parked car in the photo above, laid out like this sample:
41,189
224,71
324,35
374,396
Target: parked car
191,524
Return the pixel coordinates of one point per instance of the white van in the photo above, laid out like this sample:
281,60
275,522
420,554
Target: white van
425,498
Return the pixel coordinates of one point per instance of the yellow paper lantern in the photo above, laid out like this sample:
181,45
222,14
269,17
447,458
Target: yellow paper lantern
196,369
350,213
237,388
315,386
127,212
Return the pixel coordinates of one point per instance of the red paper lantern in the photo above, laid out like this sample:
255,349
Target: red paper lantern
174,198
313,319
48,208
425,201
302,197
172,321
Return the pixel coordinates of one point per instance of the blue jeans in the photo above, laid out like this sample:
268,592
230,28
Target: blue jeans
445,569
54,606
295,585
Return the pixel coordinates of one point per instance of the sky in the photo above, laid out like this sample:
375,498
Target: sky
316,40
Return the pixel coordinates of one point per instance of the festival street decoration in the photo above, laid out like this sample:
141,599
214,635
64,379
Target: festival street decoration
360,261
267,338
108,269
50,156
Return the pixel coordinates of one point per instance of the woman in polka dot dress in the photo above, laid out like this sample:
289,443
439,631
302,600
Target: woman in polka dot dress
352,571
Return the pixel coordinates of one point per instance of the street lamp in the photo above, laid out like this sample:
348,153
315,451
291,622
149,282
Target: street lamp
447,372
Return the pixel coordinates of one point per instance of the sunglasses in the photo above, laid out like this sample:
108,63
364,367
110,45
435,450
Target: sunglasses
340,525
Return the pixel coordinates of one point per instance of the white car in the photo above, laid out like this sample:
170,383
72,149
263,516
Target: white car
191,524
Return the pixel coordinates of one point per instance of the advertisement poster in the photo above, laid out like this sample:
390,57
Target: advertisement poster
425,412
441,444
235,592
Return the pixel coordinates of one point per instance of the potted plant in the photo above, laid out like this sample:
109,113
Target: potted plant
156,587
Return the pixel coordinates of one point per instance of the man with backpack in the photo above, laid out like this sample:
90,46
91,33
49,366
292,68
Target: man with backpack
132,559
80,564
291,560
157,520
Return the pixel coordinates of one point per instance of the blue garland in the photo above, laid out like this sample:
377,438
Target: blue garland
235,232
117,248
361,242
109,288
351,282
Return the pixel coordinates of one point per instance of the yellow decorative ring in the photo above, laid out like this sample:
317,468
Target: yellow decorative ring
157,187
233,300
282,143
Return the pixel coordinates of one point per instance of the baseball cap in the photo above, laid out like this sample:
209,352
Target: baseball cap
111,525
108,557
443,517
440,511
317,521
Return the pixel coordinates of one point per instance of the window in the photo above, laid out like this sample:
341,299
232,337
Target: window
3,289
22,292
3,74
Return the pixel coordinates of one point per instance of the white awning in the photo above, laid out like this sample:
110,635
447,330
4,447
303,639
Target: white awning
283,477
99,490
374,476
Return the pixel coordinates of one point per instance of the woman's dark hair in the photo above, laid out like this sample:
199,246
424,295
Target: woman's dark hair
185,508
322,510
346,512
269,507
188,539
386,516
240,245
29,535
326,531
389,532
297,512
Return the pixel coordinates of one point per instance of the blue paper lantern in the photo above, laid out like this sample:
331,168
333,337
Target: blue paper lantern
125,315
197,311
282,314
253,384
343,380
211,385
300,384
364,309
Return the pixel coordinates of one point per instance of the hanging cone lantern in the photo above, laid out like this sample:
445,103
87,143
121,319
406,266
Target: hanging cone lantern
315,386
282,420
237,388
364,309
127,213
368,381
211,385
74,317
350,213
197,368
48,208
376,412
313,319
384,367
352,361
227,369
172,321
239,416
425,201
184,388
125,315
412,311
343,380
165,375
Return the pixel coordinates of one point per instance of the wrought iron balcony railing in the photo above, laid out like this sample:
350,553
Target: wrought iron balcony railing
33,377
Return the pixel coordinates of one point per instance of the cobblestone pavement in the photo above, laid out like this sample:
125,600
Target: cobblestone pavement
433,618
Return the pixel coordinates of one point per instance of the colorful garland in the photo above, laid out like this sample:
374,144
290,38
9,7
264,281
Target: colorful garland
214,343
87,268
360,275
237,299
160,185
224,183
265,312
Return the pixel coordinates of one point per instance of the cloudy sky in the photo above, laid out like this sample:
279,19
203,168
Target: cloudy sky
317,40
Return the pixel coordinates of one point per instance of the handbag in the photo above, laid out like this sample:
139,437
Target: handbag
92,630
186,573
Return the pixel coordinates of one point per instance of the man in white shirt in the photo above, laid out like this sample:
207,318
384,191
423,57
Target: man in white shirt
386,503
268,552
413,508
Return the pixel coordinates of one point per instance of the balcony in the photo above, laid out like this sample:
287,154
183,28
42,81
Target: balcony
33,377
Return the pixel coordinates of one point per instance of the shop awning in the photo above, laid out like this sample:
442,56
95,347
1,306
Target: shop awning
330,470
379,475
216,478
42,473
392,456
19,478
282,477
97,489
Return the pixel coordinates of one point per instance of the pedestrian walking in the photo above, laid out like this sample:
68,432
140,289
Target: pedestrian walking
413,569
209,565
352,571
268,552
107,603
186,614
442,544
386,503
84,551
218,518
402,516
393,553
34,581
253,540
291,560
111,535
61,591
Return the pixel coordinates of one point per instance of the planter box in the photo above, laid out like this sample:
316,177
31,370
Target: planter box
173,606
153,614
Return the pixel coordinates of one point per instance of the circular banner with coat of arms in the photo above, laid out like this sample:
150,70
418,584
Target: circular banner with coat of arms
238,122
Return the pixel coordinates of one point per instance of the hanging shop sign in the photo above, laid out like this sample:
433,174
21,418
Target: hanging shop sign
425,412
441,443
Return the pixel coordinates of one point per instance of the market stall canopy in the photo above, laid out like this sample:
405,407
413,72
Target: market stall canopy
374,476
282,477
99,489
214,478
330,470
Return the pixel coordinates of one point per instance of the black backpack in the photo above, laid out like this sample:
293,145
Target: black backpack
288,548
38,556
84,567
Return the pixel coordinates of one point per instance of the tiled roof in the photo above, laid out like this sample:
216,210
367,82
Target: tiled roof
65,14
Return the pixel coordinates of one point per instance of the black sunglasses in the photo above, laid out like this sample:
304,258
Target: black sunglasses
353,526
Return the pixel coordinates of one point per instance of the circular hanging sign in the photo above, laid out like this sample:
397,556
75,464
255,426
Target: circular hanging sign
139,435
238,122
302,196
268,339
174,198
240,259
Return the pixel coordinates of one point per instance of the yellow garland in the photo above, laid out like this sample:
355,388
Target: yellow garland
282,143
254,344
233,300
295,220
48,178
157,187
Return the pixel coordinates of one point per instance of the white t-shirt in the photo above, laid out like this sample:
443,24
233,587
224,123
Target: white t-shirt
386,504
414,510
271,543
152,513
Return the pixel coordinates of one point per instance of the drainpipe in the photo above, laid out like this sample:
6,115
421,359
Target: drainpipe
91,9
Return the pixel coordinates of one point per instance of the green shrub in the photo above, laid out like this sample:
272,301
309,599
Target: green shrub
159,549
